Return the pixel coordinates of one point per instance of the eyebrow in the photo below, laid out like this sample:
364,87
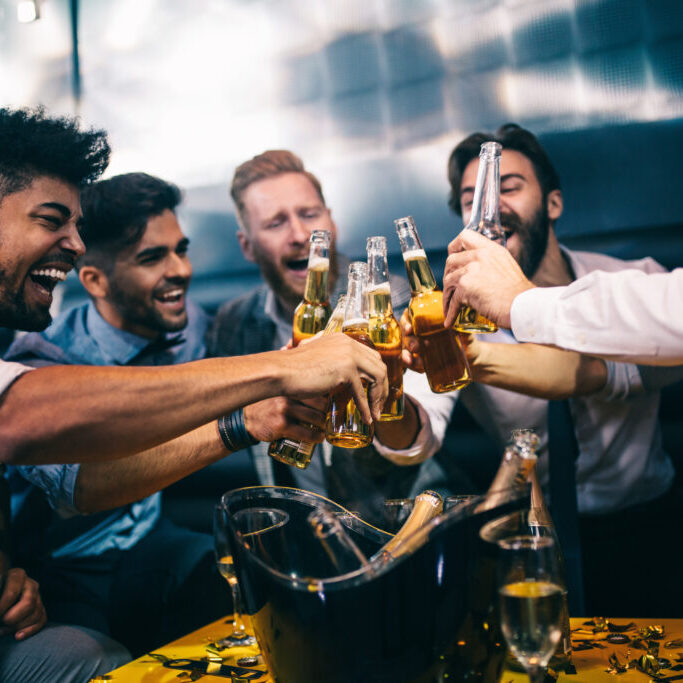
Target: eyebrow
151,251
507,176
56,206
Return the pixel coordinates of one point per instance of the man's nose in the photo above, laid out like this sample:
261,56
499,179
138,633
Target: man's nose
179,266
72,241
300,232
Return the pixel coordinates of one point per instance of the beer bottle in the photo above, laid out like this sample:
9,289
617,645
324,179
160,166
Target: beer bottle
385,332
484,219
310,317
299,453
441,350
345,427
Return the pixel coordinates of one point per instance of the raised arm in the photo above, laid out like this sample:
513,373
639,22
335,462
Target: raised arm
85,413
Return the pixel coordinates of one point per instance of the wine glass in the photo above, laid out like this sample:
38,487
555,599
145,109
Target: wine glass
530,601
224,558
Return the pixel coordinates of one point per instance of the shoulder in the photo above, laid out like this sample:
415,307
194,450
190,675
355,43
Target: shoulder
591,260
234,320
53,345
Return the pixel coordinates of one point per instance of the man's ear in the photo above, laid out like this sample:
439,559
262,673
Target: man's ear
245,243
95,281
555,205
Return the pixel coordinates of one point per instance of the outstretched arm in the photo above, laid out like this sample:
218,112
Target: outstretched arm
106,485
84,413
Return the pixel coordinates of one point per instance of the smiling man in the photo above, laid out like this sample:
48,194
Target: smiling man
624,478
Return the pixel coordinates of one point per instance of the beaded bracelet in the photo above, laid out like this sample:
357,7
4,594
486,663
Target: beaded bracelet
233,431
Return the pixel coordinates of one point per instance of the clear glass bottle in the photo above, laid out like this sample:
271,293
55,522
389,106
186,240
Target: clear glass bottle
441,350
343,553
484,219
345,427
299,453
310,317
385,332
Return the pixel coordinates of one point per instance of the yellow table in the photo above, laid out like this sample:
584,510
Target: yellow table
591,665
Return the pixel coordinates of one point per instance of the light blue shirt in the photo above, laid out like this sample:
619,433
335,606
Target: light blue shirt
82,336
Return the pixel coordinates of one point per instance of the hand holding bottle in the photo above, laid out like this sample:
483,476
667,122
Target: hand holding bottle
482,275
335,362
286,418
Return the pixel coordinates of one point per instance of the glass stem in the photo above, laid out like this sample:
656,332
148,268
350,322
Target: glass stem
238,618
536,674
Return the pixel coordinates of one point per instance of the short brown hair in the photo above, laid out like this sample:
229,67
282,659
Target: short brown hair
269,164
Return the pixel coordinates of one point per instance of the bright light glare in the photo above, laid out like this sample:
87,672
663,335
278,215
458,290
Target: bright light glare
27,11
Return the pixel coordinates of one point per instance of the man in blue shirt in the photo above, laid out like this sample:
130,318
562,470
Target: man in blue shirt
124,570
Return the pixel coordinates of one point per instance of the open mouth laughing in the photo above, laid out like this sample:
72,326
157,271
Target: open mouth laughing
46,279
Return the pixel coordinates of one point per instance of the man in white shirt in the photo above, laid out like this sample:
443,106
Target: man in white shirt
628,315
623,477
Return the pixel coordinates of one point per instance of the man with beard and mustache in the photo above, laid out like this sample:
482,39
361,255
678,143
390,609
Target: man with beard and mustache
624,479
136,271
279,203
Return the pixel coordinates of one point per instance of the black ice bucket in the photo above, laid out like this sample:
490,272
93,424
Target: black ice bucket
429,615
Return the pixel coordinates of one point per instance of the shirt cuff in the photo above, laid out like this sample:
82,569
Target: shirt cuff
424,446
531,314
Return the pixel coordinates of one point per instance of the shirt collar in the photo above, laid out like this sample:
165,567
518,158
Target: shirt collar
119,346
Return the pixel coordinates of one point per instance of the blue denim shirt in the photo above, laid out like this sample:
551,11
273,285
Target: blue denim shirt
82,336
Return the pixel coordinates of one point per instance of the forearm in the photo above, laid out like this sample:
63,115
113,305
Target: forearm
82,414
399,434
537,370
106,485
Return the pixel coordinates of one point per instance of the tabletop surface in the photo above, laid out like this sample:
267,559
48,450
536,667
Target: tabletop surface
592,663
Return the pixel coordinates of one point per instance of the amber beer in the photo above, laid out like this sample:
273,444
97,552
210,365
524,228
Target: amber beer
384,330
310,317
484,219
441,351
345,426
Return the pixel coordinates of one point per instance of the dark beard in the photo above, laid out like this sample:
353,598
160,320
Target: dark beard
16,315
140,313
533,237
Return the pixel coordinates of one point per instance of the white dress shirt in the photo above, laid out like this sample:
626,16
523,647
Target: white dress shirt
627,315
621,461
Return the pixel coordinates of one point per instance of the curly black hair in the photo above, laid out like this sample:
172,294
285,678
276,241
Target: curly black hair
116,212
34,144
510,136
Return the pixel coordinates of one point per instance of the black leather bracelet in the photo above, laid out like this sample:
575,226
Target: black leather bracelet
233,431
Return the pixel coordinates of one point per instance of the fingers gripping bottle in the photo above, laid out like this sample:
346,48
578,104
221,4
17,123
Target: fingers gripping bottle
484,219
345,427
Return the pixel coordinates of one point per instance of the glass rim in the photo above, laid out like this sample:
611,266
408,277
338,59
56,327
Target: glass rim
525,542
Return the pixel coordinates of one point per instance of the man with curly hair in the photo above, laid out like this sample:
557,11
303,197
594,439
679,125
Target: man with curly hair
68,414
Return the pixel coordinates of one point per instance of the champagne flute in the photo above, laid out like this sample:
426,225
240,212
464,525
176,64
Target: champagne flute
224,558
530,601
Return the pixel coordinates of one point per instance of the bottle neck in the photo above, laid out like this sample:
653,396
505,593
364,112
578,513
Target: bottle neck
420,275
356,310
513,472
317,279
378,289
485,217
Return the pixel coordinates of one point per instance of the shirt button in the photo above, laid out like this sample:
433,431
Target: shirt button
581,339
